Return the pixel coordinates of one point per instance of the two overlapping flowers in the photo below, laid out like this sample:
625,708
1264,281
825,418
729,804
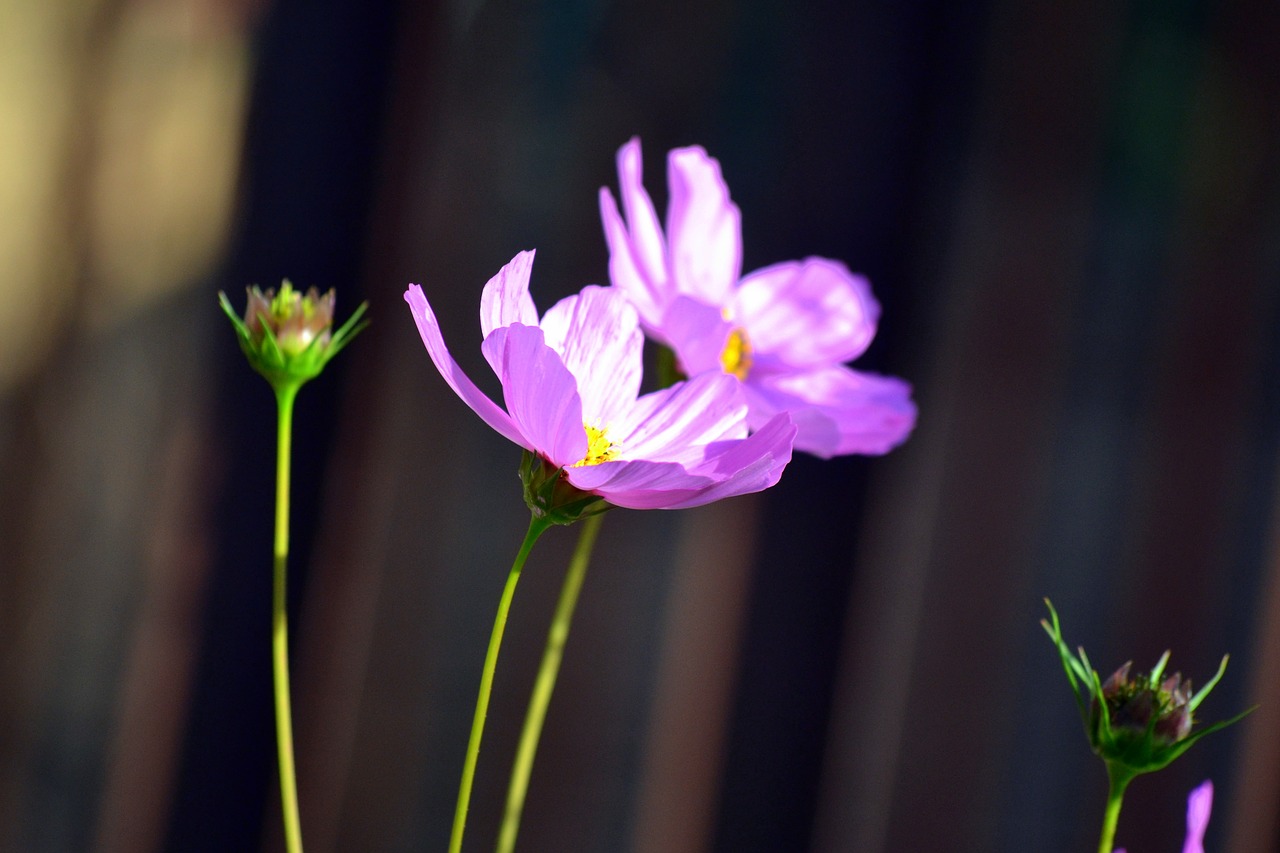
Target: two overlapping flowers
762,355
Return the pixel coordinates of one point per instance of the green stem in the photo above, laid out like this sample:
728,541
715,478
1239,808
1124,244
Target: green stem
536,528
1119,779
285,395
668,372
546,682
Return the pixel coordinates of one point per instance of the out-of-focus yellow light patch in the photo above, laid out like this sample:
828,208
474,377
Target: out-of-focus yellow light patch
735,358
170,142
599,447
119,146
34,89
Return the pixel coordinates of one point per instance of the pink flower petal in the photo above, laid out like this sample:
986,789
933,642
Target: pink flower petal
836,410
506,298
730,468
627,269
639,483
676,423
697,332
807,313
1199,805
646,232
751,465
637,249
599,340
429,329
540,392
703,227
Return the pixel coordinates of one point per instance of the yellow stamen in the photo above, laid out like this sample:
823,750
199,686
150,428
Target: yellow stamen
736,356
599,448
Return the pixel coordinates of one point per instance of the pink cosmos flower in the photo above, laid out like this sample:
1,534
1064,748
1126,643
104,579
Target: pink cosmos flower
1199,805
784,331
571,384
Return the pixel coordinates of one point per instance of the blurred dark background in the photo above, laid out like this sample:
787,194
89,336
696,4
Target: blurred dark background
1069,212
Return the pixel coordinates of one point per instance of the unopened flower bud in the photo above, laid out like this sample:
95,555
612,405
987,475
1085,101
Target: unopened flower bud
1145,706
1135,723
287,336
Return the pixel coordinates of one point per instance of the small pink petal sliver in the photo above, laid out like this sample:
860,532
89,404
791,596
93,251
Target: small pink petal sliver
1199,805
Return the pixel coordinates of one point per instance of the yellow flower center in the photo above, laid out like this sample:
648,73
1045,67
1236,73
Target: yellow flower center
599,447
736,356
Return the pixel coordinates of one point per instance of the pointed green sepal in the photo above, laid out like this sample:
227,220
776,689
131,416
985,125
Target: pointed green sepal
1077,669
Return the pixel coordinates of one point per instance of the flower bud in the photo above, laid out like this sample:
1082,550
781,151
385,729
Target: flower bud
296,320
1146,707
287,336
1135,723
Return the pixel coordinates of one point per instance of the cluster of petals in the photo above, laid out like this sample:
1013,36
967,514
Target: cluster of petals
1199,805
571,393
783,332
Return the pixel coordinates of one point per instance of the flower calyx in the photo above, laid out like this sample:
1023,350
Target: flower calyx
288,335
550,496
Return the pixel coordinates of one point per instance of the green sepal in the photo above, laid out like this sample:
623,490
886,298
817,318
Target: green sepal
1077,669
242,331
550,496
348,330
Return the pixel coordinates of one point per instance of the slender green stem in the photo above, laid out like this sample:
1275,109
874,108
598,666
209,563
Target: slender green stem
285,395
1119,779
536,528
546,682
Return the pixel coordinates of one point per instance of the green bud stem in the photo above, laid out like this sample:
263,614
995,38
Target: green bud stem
285,394
537,526
545,684
1119,779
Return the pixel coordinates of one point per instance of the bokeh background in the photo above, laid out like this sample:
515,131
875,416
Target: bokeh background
1069,212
